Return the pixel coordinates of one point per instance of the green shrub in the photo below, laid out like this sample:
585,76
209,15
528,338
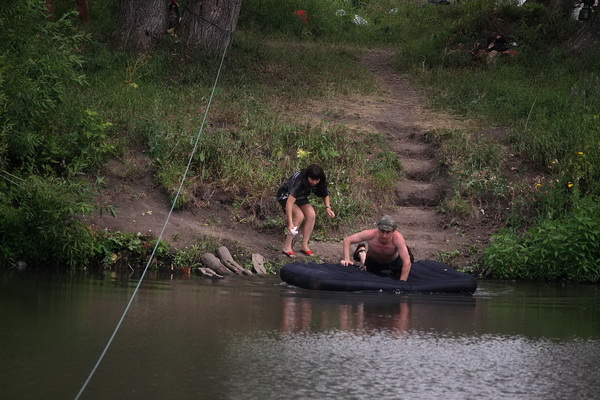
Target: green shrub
37,224
129,250
567,248
33,83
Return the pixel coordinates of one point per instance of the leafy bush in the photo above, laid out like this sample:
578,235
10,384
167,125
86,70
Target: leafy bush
118,250
44,139
32,84
37,224
567,248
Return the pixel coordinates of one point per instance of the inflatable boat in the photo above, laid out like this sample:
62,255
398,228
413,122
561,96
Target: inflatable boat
426,276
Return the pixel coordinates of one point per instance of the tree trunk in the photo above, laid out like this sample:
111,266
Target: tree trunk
587,38
143,23
209,24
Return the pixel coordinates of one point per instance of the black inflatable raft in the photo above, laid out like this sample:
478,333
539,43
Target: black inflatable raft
425,277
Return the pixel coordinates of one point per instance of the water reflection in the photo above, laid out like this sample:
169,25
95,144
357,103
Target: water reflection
373,312
389,312
249,338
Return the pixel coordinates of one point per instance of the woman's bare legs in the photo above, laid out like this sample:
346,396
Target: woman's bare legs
309,215
297,218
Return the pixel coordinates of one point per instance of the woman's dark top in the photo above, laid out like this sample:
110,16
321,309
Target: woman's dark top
297,185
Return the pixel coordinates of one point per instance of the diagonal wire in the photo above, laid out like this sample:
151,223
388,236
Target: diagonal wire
199,134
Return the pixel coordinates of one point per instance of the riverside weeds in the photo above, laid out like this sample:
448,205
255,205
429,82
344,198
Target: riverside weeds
154,102
252,140
550,100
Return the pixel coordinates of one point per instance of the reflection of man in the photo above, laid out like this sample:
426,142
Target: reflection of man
386,249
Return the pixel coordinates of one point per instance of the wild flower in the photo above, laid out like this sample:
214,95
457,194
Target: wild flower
302,153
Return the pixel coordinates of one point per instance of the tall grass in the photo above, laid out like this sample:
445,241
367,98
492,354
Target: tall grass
550,100
278,63
255,136
337,21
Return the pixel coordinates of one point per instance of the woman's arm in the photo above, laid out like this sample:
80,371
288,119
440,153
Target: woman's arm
328,206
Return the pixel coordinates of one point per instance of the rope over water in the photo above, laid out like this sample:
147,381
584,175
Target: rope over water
199,134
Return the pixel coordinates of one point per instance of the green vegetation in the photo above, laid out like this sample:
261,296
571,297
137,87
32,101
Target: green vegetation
70,100
81,101
550,98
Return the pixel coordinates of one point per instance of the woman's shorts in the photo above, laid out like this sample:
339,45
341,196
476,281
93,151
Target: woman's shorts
299,201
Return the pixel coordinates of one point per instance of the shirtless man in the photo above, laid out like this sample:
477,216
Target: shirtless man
386,249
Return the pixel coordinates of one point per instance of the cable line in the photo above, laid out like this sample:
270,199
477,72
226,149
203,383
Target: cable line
198,135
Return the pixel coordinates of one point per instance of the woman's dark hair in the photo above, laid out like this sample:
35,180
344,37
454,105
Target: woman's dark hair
314,172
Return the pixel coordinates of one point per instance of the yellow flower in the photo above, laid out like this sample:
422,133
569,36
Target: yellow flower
134,85
570,184
554,161
302,153
580,153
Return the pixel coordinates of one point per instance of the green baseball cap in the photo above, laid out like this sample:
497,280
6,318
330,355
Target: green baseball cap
386,223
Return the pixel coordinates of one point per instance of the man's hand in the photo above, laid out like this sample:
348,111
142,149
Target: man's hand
346,263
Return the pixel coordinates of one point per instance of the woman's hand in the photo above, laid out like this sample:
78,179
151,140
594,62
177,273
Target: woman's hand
330,212
292,230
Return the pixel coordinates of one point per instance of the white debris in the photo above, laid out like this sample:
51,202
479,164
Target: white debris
360,21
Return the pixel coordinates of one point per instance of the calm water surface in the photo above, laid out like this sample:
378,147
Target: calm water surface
255,338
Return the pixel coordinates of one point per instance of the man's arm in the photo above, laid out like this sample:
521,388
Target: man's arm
404,256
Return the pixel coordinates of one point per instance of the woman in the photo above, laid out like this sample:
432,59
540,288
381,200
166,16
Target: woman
293,198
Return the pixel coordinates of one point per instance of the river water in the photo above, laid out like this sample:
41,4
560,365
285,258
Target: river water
190,337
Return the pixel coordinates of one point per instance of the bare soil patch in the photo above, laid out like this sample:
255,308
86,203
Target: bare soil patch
398,112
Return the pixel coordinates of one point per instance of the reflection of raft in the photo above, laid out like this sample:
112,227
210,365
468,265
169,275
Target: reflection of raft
425,277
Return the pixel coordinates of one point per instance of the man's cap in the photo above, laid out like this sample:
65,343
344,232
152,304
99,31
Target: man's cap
386,223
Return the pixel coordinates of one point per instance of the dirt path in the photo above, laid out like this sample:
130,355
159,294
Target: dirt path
398,112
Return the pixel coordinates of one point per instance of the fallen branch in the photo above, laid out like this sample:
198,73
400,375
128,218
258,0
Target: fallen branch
258,261
209,272
212,262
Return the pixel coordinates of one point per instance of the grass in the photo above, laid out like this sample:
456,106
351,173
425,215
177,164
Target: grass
549,99
255,137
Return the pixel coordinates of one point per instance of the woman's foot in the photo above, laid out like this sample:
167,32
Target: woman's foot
308,252
289,253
